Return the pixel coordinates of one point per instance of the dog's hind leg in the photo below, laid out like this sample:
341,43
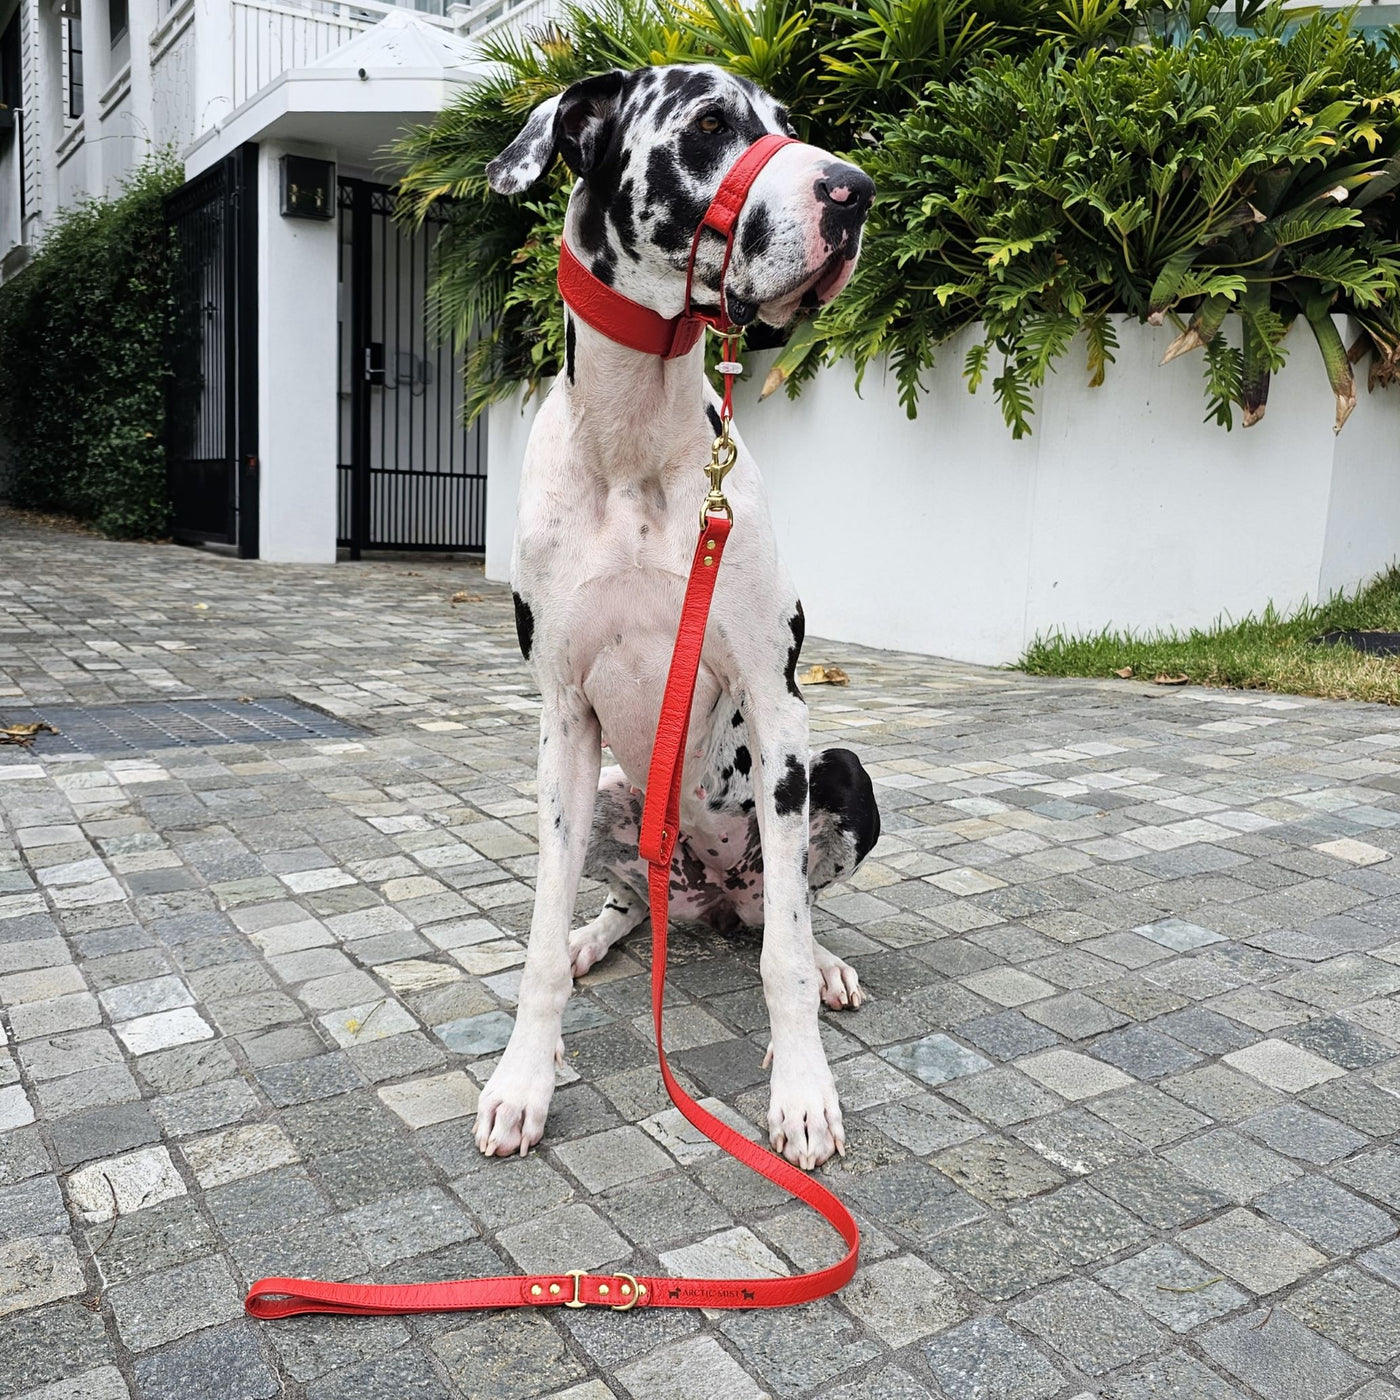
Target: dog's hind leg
613,859
844,825
623,911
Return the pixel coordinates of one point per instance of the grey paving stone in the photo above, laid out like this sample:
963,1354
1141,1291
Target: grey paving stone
891,1383
317,1077
1075,1141
22,1155
1147,1115
1225,1161
1375,1173
1159,1193
1299,1132
1358,1312
1001,1096
512,1355
985,1360
1082,1225
570,1237
33,1207
404,1372
996,1261
797,1349
1087,1325
1006,1035
318,1344
935,1059
1175,1290
1281,1359
102,1132
1175,1375
190,1365
1384,1261
399,1227
1254,1252
1327,1214
997,1171
45,1344
1144,1053
698,1364
149,1240
159,1308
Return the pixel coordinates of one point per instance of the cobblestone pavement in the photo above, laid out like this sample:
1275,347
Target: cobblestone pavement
1122,1107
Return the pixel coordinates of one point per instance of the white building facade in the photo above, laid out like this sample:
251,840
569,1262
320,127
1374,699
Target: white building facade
316,412
316,408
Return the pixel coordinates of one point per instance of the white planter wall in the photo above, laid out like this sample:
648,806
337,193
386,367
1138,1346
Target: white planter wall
1122,509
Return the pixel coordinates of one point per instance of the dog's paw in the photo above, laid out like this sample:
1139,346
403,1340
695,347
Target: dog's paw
804,1114
840,985
587,947
514,1104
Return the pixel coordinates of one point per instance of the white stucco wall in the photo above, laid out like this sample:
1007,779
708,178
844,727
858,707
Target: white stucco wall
942,535
297,350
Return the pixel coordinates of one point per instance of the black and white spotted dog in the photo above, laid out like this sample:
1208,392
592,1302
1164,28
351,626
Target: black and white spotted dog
609,499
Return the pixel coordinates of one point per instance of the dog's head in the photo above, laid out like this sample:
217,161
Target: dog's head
650,149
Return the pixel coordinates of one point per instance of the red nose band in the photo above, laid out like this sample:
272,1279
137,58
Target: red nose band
640,328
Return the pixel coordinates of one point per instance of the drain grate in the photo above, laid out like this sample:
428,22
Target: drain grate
106,730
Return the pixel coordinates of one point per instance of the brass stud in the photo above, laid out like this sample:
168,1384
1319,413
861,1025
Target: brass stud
535,1291
554,1288
641,1290
626,1290
602,1290
709,559
709,544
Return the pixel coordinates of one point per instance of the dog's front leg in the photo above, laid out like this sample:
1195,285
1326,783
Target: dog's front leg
804,1114
510,1117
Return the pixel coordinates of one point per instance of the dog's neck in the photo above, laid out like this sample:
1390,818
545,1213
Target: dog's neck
633,415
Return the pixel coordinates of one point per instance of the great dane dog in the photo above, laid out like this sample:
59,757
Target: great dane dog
609,499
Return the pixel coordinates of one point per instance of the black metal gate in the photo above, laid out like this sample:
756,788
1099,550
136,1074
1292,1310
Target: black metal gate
411,475
212,404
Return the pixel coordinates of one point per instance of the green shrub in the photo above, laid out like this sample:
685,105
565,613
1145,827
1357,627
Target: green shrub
1041,166
837,66
1041,195
83,361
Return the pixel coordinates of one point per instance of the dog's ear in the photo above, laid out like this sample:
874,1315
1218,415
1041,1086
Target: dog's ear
575,125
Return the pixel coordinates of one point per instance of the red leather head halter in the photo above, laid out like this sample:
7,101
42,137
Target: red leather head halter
639,327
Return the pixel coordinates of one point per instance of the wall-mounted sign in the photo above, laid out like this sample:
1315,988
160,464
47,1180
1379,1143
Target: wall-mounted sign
308,188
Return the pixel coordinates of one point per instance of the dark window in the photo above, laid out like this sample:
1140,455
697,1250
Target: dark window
116,18
9,65
75,66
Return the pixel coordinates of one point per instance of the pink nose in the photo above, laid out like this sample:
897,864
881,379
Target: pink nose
846,189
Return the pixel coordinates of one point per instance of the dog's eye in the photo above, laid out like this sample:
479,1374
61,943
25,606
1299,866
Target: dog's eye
710,123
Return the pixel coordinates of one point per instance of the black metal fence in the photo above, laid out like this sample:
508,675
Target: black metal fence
212,407
411,476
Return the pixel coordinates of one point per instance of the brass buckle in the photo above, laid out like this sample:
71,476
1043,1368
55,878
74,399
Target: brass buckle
724,452
578,1276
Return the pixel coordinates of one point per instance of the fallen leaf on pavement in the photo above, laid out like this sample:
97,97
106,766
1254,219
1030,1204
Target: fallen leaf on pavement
1124,671
1161,678
824,675
467,598
24,733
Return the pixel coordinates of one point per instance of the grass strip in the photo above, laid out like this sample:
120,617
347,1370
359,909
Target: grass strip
1268,652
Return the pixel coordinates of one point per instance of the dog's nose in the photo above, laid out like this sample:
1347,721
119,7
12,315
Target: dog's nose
846,189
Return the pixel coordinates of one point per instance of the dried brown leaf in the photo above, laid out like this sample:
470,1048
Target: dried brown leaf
1125,672
1162,678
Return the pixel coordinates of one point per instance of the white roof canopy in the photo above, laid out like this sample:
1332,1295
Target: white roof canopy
357,98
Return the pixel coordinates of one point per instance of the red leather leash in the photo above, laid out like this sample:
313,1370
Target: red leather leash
284,1297
660,829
